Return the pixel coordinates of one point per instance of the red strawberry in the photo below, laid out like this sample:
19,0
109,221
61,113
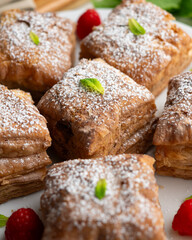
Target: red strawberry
24,224
86,23
182,221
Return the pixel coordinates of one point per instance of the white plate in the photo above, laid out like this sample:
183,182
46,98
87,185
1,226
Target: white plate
172,191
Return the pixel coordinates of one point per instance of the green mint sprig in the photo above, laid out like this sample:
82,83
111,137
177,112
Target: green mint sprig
34,38
135,27
100,189
188,198
92,85
3,220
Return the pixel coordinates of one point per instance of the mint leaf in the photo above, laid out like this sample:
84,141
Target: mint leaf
34,38
92,84
167,4
188,198
100,189
105,3
3,220
135,27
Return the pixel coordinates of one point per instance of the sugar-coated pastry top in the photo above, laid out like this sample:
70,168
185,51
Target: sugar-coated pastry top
49,59
71,101
15,38
129,210
140,57
175,124
19,118
90,124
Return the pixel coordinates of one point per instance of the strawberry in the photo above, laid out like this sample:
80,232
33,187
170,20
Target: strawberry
24,224
182,221
86,23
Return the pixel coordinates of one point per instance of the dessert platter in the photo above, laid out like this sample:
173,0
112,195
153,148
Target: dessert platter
127,92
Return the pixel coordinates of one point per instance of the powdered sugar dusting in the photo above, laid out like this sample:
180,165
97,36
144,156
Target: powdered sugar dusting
53,54
142,56
180,92
121,93
18,118
69,196
178,105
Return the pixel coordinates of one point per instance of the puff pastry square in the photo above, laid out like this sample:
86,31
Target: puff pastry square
24,138
129,210
150,59
28,66
173,136
85,124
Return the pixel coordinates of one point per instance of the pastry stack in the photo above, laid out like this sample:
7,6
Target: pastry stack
101,117
24,140
85,124
173,135
35,50
119,118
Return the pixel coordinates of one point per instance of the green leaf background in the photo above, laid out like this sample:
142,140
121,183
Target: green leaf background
181,9
105,3
185,9
167,4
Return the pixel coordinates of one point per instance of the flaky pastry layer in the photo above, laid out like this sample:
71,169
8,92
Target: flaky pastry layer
173,135
22,185
24,139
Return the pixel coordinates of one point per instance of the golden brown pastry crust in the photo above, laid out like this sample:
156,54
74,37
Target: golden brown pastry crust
85,124
173,135
129,210
24,138
150,59
22,185
14,167
26,65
